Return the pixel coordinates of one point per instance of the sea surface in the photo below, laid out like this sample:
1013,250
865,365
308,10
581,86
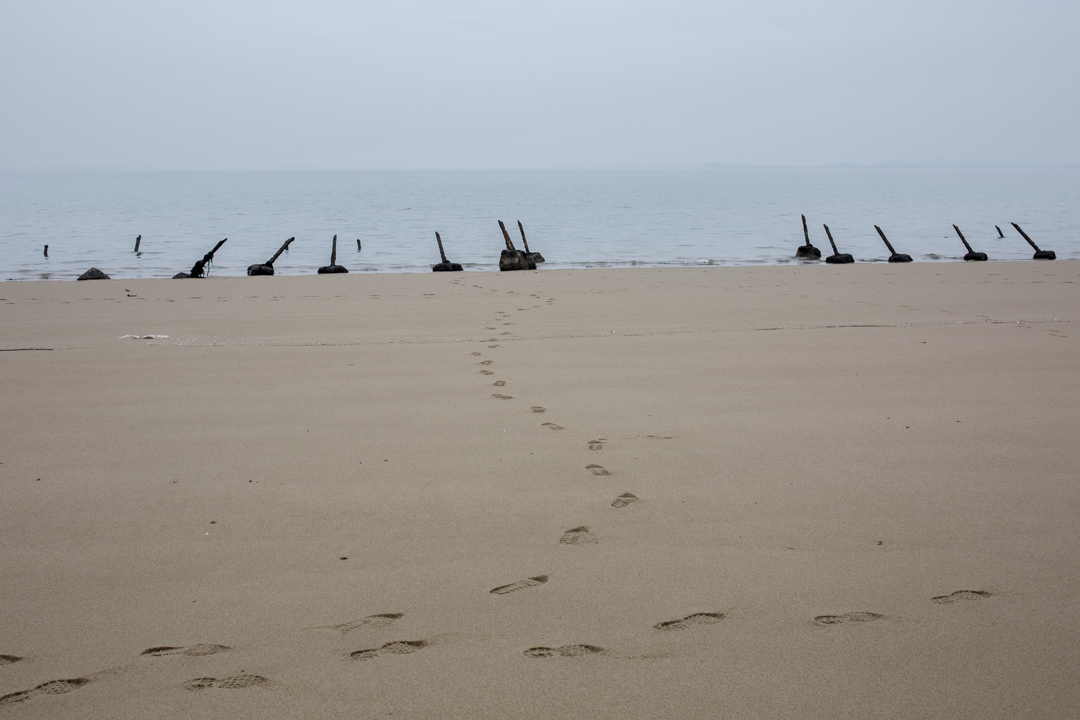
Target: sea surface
575,218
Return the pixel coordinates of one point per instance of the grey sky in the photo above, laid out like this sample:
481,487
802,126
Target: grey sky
482,84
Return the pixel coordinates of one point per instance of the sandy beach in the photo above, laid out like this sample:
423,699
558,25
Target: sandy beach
776,492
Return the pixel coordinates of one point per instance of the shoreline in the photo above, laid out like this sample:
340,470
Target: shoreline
574,220
366,271
853,493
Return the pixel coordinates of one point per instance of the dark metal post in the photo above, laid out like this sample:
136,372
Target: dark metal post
971,254
895,257
1039,254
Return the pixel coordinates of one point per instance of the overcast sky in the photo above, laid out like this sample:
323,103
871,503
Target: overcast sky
252,84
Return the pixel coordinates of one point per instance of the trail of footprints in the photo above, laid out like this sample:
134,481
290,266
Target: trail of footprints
581,535
575,536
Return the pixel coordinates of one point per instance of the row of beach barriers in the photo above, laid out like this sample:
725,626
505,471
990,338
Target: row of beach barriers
514,259
838,258
511,259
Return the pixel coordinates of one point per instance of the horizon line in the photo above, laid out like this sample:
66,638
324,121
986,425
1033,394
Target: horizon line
928,164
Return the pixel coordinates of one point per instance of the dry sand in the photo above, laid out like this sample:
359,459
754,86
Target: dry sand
310,468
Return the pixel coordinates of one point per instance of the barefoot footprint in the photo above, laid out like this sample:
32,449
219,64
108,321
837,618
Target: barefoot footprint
577,536
563,651
398,647
960,595
190,650
235,682
708,618
380,620
848,617
239,682
520,585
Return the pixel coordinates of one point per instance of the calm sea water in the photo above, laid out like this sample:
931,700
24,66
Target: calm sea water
576,218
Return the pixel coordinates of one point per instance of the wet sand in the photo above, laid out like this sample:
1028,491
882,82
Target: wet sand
783,492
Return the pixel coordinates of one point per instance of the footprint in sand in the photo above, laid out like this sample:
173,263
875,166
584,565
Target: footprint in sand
577,536
53,687
398,647
8,659
519,585
491,328
691,620
506,333
190,650
624,500
236,682
553,426
476,354
597,444
487,372
486,362
500,383
538,409
493,346
563,651
848,617
960,595
380,620
502,397
597,470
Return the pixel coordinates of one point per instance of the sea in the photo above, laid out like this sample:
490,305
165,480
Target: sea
385,221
